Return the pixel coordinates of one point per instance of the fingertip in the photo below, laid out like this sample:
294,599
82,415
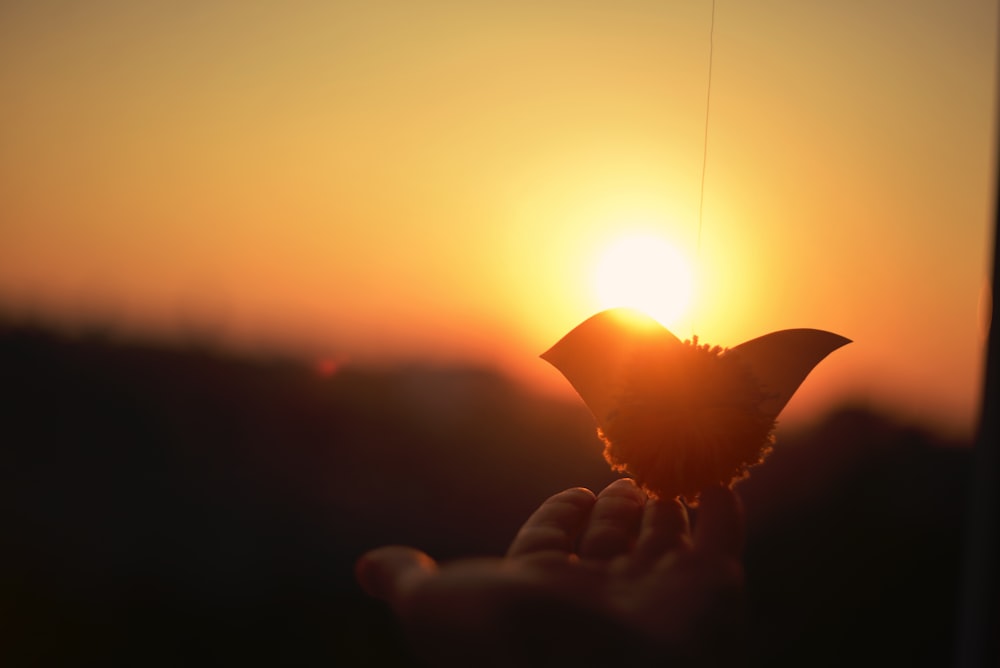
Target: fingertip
613,526
626,487
556,524
576,495
385,571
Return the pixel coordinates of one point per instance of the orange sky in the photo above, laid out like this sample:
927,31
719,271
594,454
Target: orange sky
395,179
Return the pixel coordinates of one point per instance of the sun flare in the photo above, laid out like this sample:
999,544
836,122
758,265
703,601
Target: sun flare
645,272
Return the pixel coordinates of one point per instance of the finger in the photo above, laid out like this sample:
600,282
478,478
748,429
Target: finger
664,527
614,521
388,572
718,528
556,524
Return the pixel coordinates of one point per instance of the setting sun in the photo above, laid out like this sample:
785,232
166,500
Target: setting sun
645,272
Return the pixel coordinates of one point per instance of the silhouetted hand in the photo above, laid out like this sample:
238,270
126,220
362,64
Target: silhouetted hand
586,580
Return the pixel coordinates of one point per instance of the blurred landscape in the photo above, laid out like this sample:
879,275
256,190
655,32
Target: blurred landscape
177,504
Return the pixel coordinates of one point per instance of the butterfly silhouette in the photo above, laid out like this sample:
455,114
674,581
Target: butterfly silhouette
681,416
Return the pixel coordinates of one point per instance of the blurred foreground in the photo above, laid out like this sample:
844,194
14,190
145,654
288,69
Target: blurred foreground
168,505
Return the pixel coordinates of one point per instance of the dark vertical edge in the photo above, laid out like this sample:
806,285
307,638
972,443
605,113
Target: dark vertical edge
979,615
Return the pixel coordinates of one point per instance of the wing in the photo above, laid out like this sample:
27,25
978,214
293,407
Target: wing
594,355
782,360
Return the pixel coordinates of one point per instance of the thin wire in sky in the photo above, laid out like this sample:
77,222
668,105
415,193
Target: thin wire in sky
704,148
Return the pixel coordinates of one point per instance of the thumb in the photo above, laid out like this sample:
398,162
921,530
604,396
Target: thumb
387,572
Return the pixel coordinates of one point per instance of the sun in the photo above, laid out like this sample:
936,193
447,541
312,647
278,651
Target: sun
645,272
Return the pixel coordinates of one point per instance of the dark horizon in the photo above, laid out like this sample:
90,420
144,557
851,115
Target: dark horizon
211,505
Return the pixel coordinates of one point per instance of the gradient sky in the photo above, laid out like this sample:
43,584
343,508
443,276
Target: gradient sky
436,180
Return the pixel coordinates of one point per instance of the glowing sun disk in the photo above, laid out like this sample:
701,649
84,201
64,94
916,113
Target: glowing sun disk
647,273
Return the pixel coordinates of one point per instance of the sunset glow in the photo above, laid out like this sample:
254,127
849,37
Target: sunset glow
459,182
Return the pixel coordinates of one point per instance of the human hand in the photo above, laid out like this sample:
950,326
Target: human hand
617,576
